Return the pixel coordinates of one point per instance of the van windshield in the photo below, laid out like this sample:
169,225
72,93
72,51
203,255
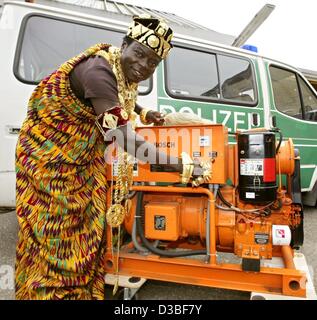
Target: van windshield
48,42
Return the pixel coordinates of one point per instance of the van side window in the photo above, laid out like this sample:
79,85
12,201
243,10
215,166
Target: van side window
47,42
285,90
192,73
292,95
236,79
309,101
209,76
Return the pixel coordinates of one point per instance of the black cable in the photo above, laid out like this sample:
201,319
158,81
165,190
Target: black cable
281,138
223,199
280,142
266,211
277,204
148,244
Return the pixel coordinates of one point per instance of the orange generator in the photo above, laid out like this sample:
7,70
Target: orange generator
224,232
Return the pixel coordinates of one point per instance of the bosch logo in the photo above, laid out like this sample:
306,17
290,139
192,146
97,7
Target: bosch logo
164,144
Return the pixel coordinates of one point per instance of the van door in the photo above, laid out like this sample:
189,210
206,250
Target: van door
294,103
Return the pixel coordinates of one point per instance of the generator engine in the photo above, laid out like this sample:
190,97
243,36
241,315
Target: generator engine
250,207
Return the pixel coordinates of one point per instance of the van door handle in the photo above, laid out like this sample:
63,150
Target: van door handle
13,130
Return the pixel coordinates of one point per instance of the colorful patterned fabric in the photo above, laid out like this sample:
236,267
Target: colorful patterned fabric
60,194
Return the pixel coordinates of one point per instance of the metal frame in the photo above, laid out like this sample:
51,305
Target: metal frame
284,281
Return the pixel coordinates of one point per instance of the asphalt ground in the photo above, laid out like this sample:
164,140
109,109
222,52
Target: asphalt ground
151,290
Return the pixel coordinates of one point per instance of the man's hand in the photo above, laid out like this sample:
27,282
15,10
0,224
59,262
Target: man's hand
198,170
155,117
202,172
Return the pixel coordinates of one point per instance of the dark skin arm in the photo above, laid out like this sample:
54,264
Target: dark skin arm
152,116
101,105
132,138
172,163
137,108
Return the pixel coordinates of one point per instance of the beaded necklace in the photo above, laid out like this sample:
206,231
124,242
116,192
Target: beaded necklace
127,92
117,211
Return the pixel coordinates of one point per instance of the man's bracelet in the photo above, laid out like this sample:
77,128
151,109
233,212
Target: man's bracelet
188,168
143,114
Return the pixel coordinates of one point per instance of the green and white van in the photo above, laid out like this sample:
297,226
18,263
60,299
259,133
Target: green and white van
228,85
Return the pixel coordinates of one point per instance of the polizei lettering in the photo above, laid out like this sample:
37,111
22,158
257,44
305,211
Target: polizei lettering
233,120
164,144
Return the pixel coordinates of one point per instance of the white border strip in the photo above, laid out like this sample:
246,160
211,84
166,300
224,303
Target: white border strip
305,145
265,93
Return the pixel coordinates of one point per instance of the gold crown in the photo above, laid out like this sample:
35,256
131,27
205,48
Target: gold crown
152,33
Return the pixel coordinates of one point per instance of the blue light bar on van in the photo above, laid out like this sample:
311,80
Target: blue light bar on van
249,47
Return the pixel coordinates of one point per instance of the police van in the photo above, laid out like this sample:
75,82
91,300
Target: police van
236,87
